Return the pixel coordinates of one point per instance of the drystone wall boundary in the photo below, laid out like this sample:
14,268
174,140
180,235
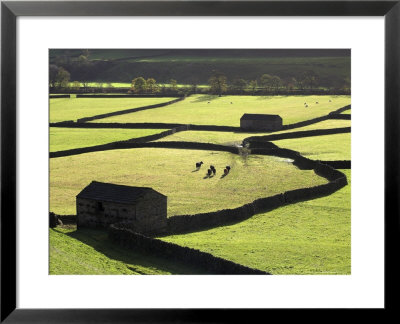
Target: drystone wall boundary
59,96
337,180
125,96
117,233
255,141
340,116
129,144
127,111
191,223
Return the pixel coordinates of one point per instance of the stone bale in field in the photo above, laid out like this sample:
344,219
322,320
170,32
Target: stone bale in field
143,209
260,122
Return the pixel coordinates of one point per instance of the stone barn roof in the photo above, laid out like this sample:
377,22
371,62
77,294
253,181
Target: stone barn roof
114,193
261,117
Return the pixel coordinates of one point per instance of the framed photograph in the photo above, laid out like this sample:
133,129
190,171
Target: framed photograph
189,161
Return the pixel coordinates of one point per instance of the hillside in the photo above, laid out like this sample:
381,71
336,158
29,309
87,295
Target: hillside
195,66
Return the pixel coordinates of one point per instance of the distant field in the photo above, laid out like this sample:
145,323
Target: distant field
172,172
74,108
227,110
327,147
128,85
311,237
70,138
89,252
232,138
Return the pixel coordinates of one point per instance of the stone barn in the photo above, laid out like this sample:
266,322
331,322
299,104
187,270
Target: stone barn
260,122
101,204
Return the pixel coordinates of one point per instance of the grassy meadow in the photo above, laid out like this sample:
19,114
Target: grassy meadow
235,138
62,109
172,172
71,138
90,252
326,147
311,237
227,110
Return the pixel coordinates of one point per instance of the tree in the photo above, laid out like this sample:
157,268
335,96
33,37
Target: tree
151,85
62,78
75,85
85,85
310,79
276,82
291,83
266,81
53,70
253,86
217,83
173,85
239,84
138,85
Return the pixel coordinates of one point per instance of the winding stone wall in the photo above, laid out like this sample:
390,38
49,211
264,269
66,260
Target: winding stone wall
127,111
118,233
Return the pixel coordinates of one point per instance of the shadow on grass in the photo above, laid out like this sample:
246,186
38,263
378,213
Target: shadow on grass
206,98
134,261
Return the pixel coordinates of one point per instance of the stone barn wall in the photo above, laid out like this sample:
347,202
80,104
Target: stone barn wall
149,215
260,125
90,215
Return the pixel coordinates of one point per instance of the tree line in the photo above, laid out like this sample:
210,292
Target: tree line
266,84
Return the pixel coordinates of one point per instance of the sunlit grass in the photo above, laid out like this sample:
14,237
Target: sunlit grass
227,110
70,138
311,237
62,109
172,172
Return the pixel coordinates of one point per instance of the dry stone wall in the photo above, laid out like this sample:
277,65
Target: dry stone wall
127,111
119,233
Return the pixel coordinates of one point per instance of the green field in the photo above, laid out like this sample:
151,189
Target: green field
227,110
347,112
90,252
172,172
71,138
326,147
62,109
236,138
311,237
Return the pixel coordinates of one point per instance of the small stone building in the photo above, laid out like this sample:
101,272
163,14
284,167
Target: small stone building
101,204
260,122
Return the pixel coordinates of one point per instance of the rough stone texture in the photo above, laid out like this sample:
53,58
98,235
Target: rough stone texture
259,122
123,235
147,215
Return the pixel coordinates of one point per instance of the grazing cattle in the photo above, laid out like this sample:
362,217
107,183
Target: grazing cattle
208,102
209,171
212,167
330,100
226,171
317,102
214,171
228,168
198,164
231,103
306,106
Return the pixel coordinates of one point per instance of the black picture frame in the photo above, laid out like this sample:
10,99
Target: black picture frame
10,10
